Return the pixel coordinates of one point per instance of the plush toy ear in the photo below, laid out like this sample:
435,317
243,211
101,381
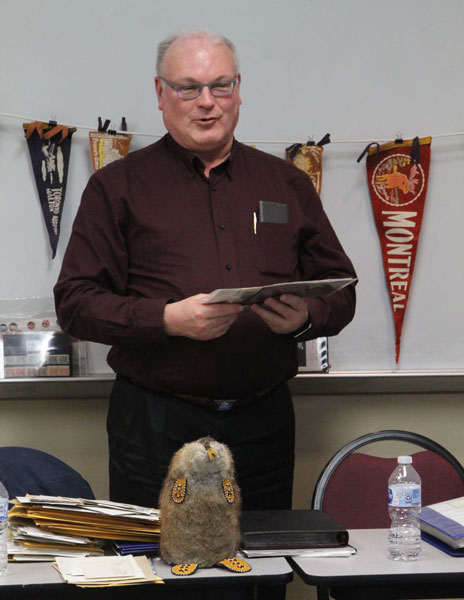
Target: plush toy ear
179,490
228,490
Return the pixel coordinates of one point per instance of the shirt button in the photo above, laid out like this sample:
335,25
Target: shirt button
228,266
214,188
221,226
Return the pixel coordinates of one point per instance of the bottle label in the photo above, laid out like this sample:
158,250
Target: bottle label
3,510
404,495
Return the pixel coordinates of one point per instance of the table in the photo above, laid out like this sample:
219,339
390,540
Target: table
369,574
36,580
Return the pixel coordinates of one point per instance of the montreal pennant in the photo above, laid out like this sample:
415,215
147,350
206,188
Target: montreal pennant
397,175
50,148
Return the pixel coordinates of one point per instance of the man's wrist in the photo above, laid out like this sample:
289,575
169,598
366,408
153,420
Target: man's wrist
304,328
166,321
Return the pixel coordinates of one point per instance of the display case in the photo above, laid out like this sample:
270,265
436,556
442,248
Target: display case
32,343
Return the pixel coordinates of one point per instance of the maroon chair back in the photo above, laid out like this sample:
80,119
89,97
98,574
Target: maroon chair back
357,492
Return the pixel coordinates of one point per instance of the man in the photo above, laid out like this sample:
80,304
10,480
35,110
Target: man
159,230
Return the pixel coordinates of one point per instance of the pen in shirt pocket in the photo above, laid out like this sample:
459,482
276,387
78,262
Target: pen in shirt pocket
255,220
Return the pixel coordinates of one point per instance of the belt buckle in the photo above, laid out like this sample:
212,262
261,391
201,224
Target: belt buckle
224,404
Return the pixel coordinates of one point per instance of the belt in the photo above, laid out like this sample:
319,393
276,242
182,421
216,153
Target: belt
221,404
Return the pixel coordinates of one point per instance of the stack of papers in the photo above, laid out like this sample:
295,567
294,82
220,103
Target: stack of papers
43,527
28,543
106,571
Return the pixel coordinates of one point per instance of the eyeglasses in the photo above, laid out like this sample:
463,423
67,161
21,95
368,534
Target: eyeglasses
219,89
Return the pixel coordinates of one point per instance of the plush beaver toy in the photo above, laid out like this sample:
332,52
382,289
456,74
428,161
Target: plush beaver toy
200,509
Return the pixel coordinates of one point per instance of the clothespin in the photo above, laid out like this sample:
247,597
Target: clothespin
103,127
325,140
292,150
415,150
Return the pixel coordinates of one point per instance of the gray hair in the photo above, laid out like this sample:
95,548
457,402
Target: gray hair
214,38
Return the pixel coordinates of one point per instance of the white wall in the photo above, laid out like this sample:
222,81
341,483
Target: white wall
359,69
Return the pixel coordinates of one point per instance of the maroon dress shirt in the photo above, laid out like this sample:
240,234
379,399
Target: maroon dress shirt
151,228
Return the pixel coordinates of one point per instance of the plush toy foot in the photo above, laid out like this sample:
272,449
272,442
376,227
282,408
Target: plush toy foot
235,564
184,569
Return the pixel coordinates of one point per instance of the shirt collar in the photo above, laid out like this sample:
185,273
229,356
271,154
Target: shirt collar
194,164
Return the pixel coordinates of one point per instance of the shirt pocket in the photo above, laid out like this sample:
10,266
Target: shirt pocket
275,249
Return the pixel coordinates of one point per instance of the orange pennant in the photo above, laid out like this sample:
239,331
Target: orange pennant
308,158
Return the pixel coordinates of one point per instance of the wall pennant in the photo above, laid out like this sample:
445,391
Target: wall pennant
106,145
50,148
397,177
308,158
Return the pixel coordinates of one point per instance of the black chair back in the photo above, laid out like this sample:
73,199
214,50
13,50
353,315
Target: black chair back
29,471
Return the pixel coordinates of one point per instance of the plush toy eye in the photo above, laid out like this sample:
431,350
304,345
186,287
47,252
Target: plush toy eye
228,490
179,490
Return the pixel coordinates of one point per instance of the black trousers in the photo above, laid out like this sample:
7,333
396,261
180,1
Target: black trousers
146,428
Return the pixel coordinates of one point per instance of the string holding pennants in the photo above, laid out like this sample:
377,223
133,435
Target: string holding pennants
397,174
248,142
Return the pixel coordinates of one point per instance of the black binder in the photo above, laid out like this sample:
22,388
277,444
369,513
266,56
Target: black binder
285,529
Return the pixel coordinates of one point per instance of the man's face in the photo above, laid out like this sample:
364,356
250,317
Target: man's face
204,125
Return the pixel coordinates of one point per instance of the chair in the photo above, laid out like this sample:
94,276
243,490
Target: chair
352,487
29,471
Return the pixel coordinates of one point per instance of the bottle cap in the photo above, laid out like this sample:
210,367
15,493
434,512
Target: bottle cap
404,460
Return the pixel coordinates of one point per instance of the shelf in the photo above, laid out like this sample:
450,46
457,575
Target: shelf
304,384
378,382
56,387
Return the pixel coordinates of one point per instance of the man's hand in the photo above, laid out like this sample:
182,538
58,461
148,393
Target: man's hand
283,315
193,319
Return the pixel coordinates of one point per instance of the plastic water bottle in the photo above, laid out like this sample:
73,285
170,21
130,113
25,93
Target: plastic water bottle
404,505
3,529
